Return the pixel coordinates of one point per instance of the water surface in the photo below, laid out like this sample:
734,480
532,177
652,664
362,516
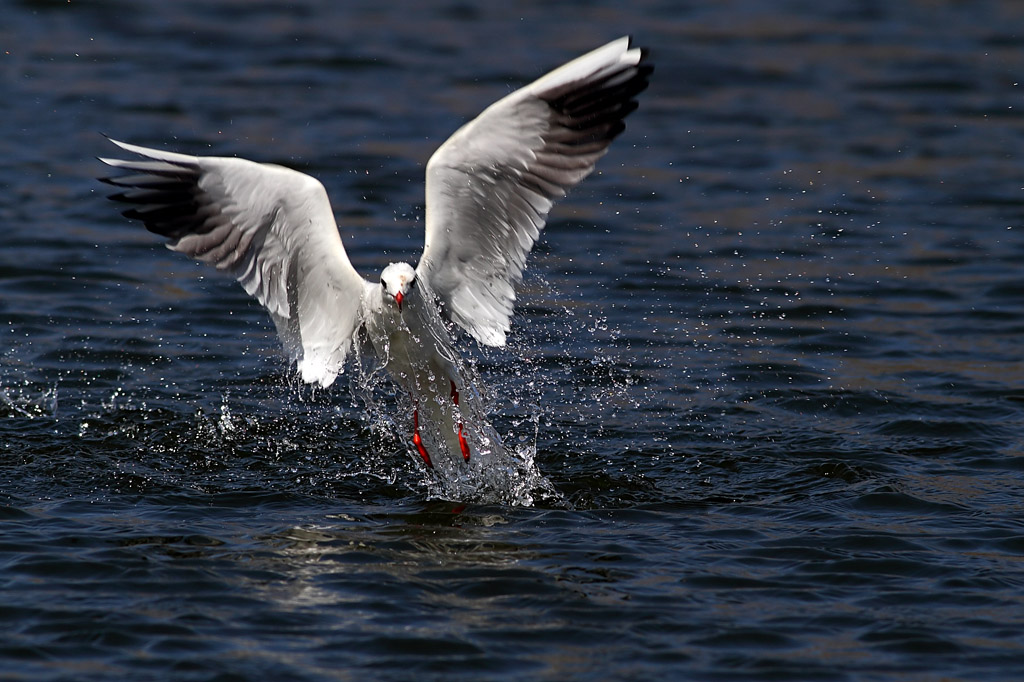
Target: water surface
768,356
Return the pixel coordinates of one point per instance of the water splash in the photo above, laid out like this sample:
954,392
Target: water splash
27,401
496,473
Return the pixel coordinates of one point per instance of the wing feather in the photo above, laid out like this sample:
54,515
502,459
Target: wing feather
272,228
491,186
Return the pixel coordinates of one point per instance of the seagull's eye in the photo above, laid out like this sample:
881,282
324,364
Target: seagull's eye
382,283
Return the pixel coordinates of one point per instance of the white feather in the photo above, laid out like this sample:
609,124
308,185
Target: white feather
491,185
270,227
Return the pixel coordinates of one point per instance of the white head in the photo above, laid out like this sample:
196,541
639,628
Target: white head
397,280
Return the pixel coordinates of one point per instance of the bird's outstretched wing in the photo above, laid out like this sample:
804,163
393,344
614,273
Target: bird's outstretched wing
491,185
270,227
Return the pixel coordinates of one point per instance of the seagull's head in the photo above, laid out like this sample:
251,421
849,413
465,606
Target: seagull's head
397,280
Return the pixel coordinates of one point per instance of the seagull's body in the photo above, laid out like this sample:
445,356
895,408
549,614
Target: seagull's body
489,189
412,343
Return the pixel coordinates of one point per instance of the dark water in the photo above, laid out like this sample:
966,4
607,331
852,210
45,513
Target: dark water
770,357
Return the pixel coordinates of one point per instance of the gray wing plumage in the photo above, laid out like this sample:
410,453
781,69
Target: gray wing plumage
272,228
491,185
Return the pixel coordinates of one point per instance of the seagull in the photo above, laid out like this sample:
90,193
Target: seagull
489,189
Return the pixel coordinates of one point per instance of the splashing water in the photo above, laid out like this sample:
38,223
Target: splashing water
27,401
494,473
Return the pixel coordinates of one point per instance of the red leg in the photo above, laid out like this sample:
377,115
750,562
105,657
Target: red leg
417,441
463,445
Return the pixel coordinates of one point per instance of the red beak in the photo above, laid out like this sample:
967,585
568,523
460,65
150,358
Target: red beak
398,299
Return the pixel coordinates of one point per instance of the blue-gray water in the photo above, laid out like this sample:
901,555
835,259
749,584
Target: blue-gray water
769,356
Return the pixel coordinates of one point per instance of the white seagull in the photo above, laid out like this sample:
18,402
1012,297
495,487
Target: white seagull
489,189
